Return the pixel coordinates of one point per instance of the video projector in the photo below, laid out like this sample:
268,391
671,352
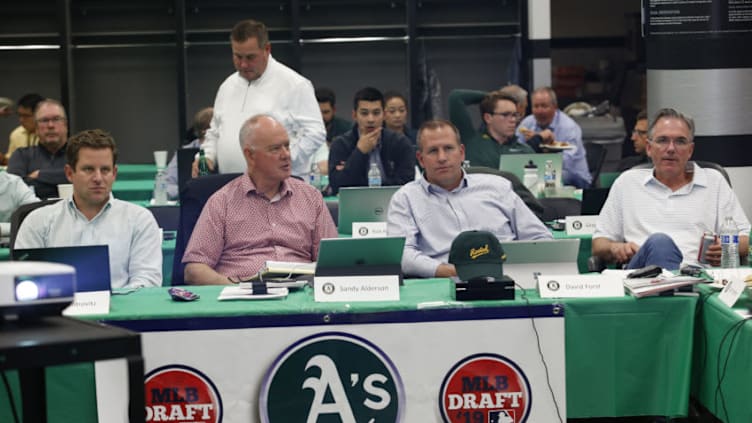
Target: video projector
32,288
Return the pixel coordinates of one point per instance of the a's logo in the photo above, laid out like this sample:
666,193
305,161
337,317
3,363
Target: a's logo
332,377
485,388
363,231
553,285
577,224
328,288
181,394
480,251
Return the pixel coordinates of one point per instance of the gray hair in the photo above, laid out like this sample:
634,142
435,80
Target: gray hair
551,94
248,130
673,114
519,93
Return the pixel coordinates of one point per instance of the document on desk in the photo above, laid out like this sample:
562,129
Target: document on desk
643,287
239,293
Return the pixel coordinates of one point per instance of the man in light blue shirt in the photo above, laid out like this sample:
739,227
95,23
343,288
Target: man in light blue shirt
13,193
431,211
553,125
91,216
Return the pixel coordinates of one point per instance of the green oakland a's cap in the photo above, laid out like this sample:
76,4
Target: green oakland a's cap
477,254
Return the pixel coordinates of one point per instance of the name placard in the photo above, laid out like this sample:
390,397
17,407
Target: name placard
93,302
580,225
356,288
580,286
369,229
732,291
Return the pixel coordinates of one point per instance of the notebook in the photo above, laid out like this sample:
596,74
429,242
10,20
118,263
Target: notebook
525,258
92,263
515,163
593,200
360,256
363,204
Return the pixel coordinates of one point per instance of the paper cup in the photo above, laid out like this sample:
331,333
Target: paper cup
160,158
64,190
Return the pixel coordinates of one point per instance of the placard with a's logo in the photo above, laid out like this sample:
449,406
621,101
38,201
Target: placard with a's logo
580,225
369,229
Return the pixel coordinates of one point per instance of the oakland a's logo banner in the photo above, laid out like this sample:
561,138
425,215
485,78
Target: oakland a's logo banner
332,377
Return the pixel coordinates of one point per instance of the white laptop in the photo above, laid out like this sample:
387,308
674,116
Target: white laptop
554,257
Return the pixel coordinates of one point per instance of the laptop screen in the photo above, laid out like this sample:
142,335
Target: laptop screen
525,258
515,163
360,256
92,263
363,204
593,200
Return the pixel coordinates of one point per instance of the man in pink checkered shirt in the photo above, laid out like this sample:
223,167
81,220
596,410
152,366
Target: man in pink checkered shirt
262,215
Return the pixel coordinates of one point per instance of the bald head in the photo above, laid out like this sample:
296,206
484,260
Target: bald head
266,148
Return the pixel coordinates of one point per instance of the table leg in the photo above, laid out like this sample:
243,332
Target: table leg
136,404
33,396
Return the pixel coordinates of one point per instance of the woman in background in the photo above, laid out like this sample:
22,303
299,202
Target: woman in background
395,115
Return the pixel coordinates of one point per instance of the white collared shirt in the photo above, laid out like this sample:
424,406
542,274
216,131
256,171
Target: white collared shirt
130,232
639,205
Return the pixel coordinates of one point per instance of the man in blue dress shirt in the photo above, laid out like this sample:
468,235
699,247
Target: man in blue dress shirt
431,211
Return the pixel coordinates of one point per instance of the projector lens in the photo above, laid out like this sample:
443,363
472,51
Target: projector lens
27,290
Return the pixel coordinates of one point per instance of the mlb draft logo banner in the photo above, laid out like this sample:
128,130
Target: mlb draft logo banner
177,393
485,388
334,377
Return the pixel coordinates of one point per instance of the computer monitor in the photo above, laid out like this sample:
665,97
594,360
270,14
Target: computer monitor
551,256
92,263
515,163
593,200
363,204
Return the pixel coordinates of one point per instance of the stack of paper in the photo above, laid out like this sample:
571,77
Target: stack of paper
238,293
642,287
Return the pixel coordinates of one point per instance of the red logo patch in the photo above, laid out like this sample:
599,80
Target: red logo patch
485,388
181,394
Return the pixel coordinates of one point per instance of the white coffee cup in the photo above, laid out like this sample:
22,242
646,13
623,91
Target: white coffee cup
64,190
160,158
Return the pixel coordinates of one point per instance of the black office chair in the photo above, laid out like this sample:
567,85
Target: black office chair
519,188
595,155
192,199
560,207
185,162
20,214
702,163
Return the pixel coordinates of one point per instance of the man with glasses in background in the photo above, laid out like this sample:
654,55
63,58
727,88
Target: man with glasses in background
657,216
25,135
554,125
499,114
640,141
43,166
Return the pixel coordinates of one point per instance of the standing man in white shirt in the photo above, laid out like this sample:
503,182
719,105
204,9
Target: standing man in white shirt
262,85
91,216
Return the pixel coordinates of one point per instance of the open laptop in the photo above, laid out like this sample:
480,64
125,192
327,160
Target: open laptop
593,200
525,258
515,163
360,256
92,263
363,204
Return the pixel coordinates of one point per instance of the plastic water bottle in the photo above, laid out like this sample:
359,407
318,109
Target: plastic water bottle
374,176
530,178
466,164
203,167
549,178
160,189
729,244
314,178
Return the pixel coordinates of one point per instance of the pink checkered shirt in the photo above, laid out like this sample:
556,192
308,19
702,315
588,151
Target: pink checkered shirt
239,230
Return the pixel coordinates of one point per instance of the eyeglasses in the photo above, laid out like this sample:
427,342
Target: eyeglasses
664,142
639,132
507,115
56,119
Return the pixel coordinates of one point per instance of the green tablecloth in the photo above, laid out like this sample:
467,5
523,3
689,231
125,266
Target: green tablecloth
623,356
712,352
131,172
